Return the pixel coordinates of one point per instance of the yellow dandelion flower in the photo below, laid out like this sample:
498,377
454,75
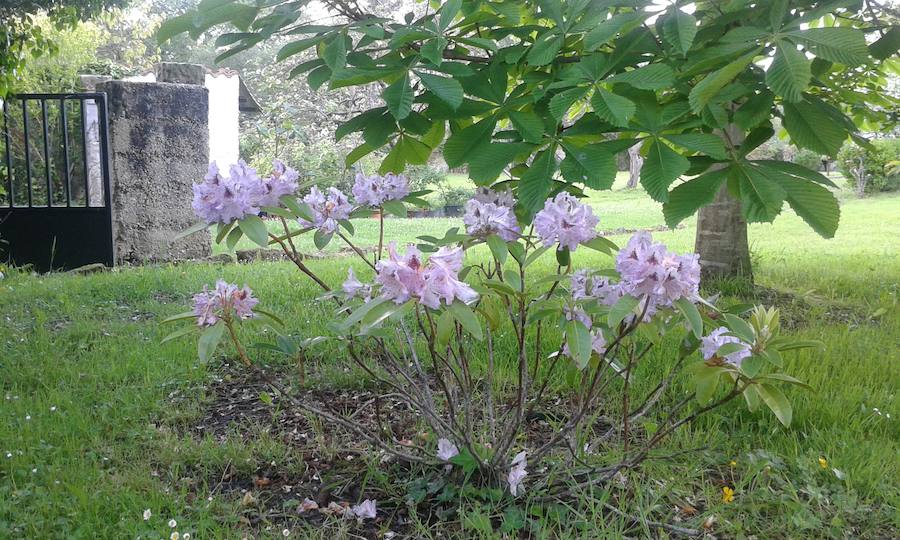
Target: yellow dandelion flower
727,494
823,463
733,463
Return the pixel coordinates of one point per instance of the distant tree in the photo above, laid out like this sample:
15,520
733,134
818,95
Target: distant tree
22,37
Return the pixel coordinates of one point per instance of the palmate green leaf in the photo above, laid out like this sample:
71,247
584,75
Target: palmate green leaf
535,184
578,338
688,197
174,26
761,197
489,162
545,48
393,161
886,46
446,88
662,166
612,107
651,77
462,144
710,86
528,124
413,151
592,165
399,97
433,50
358,153
334,53
297,47
755,110
811,126
775,399
358,122
814,203
789,74
706,143
606,30
679,29
840,44
448,12
560,103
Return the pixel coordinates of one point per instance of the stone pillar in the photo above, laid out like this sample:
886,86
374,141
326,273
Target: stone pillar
159,146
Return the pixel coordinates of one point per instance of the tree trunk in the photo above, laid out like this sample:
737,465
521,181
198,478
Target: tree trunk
635,162
721,239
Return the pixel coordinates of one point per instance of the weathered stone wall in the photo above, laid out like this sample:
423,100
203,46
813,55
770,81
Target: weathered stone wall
159,146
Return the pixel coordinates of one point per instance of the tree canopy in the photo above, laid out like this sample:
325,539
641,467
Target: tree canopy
549,91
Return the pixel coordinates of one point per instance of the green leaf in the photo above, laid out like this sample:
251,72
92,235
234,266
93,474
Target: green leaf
498,248
413,151
601,244
179,317
621,309
195,228
296,47
462,143
704,92
810,126
814,203
396,208
578,338
783,377
233,238
321,238
651,77
840,44
688,197
467,319
358,153
612,107
562,102
399,97
545,48
662,166
706,381
335,52
887,46
447,89
448,12
174,26
706,143
755,110
209,340
606,30
679,29
433,50
739,327
789,74
592,165
445,328
488,162
255,229
775,399
535,184
689,310
761,198
358,122
528,124
181,332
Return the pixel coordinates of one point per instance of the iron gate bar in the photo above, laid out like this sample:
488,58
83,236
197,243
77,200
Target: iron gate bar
84,156
46,151
27,148
9,172
64,125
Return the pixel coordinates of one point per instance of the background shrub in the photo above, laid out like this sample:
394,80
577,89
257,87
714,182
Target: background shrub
880,163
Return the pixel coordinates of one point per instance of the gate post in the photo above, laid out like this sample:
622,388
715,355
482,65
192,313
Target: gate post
159,146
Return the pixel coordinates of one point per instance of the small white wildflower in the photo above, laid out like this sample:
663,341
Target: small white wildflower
147,514
285,533
186,536
53,408
27,417
173,523
34,470
174,535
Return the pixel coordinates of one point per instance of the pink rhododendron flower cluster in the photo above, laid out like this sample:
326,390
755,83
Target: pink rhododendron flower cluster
211,306
446,450
327,209
710,345
565,221
376,190
223,199
490,213
408,276
598,343
648,269
587,286
354,288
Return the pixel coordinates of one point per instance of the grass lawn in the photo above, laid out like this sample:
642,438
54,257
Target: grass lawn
100,421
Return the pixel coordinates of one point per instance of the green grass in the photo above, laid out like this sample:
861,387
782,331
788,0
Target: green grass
94,406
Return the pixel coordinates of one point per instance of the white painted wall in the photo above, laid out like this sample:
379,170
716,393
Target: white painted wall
224,128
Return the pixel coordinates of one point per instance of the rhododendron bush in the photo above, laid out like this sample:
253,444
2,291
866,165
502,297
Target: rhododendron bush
432,323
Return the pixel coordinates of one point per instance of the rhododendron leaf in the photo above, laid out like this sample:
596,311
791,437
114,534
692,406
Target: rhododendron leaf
498,247
691,314
535,255
783,377
621,309
197,227
179,317
513,279
255,229
395,207
209,340
347,225
385,311
775,399
362,310
774,357
180,332
601,244
223,230
445,327
751,366
739,327
233,237
751,396
322,238
578,338
269,315
706,380
467,319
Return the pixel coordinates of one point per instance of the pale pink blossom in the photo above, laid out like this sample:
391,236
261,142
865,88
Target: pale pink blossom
376,190
446,450
354,288
587,286
365,510
710,345
327,209
226,299
566,222
517,474
648,269
409,277
283,181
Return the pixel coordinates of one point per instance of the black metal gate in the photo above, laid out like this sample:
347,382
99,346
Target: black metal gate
55,210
